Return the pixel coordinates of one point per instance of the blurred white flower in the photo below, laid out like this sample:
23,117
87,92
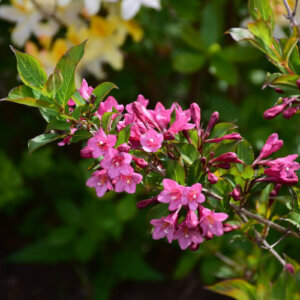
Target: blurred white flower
130,8
93,6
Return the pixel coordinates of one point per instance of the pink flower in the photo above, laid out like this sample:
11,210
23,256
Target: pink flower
151,141
231,136
172,194
117,163
282,170
191,219
290,268
229,157
127,183
108,105
100,143
212,222
289,112
192,196
100,181
162,116
187,236
140,162
85,90
67,140
86,152
181,122
272,145
165,227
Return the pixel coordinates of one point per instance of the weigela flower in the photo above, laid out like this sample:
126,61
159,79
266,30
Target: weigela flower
192,196
212,222
151,141
127,183
172,194
195,114
212,122
108,104
229,157
85,92
236,194
100,143
165,227
231,136
162,116
67,140
187,236
274,111
101,182
181,122
282,170
272,145
191,219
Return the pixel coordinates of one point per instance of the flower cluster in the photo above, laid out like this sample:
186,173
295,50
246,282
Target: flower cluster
199,223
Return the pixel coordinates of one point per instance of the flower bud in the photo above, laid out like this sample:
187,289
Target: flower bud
194,246
229,227
140,162
169,136
289,267
274,111
144,203
298,83
195,114
124,148
212,178
229,157
289,112
203,160
225,166
236,194
231,136
278,90
212,122
191,219
86,152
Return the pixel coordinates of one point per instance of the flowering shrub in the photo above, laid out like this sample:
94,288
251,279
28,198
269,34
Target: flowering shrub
203,180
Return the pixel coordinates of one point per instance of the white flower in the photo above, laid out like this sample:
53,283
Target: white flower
130,8
93,6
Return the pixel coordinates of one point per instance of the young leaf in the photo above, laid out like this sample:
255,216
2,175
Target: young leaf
53,83
123,135
102,90
262,10
30,70
80,135
67,65
78,99
42,140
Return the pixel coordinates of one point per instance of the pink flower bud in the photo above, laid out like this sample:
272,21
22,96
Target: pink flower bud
169,136
144,203
203,160
279,91
212,178
140,162
272,145
124,148
229,157
212,122
230,227
231,136
191,219
86,152
195,114
225,166
274,111
289,267
194,246
236,194
289,112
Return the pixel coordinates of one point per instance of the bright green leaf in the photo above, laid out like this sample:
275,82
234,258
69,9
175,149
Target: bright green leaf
102,90
123,135
42,140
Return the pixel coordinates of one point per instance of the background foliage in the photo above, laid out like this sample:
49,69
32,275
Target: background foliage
54,228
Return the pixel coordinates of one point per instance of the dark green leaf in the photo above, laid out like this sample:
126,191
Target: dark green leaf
188,62
123,135
42,140
102,90
80,135
188,152
245,153
175,171
58,124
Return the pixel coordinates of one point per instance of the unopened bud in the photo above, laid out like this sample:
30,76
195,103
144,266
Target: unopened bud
236,194
169,136
298,83
212,122
278,90
212,178
140,162
191,219
124,148
274,111
144,203
195,114
290,268
230,227
289,112
229,157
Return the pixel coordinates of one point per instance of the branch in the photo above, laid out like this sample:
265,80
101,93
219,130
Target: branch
291,14
260,219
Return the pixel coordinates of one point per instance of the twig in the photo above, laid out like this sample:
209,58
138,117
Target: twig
228,261
260,219
291,14
51,15
212,194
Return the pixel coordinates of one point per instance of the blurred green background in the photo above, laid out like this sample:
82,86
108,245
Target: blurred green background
59,241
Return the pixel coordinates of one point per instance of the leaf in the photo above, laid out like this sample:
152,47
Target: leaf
290,44
188,152
21,91
222,129
187,62
195,172
85,247
293,218
58,124
235,288
106,119
285,82
102,90
248,173
42,140
175,171
61,235
53,83
240,34
262,10
186,264
123,135
30,70
245,153
156,212
126,208
80,135
78,99
67,66
192,38
261,30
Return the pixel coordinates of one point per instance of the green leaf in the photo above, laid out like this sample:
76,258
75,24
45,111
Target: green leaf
175,171
126,208
261,30
195,172
283,81
42,140
58,124
293,218
248,173
245,153
85,247
241,54
188,152
21,91
186,264
106,119
192,38
102,90
262,10
30,70
78,99
235,288
80,135
240,34
289,46
123,135
53,83
61,235
67,66
222,129
187,62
